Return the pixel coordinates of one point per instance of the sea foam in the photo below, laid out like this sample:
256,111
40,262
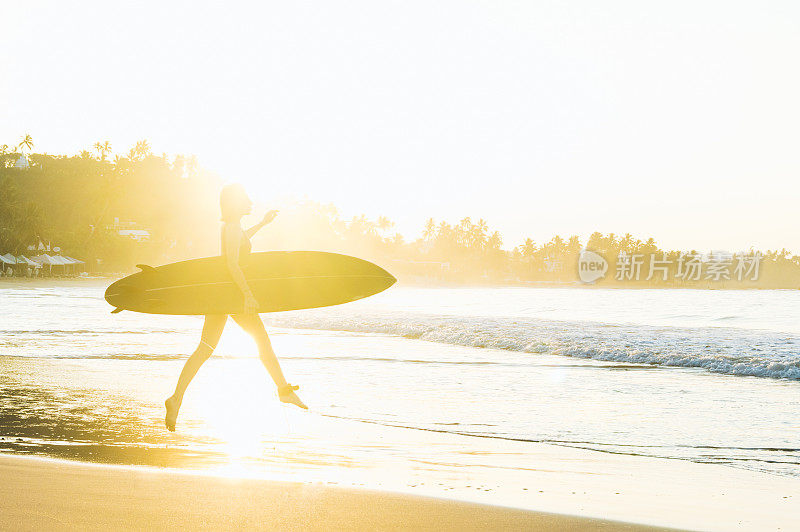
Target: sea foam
715,349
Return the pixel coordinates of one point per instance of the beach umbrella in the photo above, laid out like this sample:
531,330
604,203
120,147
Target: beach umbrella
6,260
75,263
46,260
53,260
22,259
63,261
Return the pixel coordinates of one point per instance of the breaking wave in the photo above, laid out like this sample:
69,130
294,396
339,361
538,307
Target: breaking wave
719,350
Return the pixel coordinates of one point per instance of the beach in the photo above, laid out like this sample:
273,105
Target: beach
54,282
46,494
400,266
664,408
569,490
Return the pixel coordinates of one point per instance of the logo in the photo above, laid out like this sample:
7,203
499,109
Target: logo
591,266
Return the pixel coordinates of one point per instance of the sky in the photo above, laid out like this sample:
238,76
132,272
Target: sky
674,120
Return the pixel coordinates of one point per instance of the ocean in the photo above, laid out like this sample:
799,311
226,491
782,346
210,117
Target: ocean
706,376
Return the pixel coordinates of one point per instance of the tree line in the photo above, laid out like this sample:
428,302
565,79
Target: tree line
79,203
82,202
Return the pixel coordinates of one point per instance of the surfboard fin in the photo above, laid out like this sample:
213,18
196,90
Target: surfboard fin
145,268
117,310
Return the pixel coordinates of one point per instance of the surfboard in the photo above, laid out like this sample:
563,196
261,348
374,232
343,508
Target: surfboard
279,280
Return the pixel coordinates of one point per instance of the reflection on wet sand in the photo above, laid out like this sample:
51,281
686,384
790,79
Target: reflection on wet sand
71,426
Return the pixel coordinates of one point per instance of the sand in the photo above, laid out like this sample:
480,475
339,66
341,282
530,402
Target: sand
52,282
38,494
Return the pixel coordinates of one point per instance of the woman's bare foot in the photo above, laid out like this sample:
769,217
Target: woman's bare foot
173,405
286,395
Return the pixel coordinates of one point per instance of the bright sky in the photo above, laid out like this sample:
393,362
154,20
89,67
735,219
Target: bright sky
677,120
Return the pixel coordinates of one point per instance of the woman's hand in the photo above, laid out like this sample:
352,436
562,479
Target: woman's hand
250,304
269,217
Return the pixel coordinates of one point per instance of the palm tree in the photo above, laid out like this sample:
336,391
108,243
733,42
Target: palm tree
430,229
103,149
142,149
650,246
478,234
495,241
27,142
627,243
528,248
574,244
364,225
139,151
557,244
383,224
462,232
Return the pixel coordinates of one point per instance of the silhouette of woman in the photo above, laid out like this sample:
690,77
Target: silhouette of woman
234,204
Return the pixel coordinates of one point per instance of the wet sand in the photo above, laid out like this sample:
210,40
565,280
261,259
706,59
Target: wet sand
38,494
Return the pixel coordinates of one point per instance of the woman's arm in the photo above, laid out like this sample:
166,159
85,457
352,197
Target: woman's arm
267,219
233,240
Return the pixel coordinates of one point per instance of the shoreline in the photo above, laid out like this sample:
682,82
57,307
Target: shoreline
543,486
42,493
48,282
54,282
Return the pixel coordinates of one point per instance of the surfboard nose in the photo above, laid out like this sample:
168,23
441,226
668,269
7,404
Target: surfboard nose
381,272
119,294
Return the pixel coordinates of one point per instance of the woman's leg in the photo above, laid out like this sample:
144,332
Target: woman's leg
252,325
212,330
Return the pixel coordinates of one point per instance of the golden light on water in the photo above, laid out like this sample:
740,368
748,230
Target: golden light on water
234,398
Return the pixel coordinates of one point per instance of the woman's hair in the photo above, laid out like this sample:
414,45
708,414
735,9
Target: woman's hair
230,200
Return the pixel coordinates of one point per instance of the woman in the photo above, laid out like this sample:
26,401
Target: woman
234,204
